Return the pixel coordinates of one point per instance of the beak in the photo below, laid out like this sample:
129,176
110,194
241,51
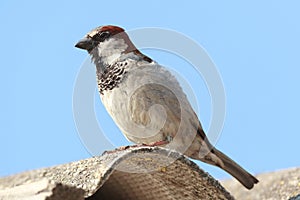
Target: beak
85,43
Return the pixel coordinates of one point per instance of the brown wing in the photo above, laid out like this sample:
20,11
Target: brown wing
152,94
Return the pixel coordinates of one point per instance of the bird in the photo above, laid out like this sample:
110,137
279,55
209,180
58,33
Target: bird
146,101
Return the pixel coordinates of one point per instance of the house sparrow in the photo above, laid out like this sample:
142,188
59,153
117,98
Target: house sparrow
147,103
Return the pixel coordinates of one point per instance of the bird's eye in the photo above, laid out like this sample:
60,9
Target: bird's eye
101,36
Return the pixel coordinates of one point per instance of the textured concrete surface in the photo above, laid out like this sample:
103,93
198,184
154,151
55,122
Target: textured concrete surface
282,184
42,189
136,173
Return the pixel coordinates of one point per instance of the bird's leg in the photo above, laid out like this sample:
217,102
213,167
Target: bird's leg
162,142
158,143
153,144
121,148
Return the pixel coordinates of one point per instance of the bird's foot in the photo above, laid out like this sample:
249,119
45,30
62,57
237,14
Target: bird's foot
122,148
153,144
158,143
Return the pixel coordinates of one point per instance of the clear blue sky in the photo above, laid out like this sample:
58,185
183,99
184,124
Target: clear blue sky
254,44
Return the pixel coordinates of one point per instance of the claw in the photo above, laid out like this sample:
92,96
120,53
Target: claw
158,143
154,144
122,148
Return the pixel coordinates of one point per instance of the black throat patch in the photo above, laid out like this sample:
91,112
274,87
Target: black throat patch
111,77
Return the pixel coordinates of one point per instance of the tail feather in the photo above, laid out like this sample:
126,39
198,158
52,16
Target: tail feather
235,170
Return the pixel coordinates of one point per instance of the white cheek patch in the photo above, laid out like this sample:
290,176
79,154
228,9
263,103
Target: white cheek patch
111,49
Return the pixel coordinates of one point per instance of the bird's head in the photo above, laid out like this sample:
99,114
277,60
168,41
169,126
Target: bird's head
105,44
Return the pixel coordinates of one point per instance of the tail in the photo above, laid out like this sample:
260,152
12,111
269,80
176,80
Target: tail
235,170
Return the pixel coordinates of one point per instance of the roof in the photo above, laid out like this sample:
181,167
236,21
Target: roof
282,184
135,173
